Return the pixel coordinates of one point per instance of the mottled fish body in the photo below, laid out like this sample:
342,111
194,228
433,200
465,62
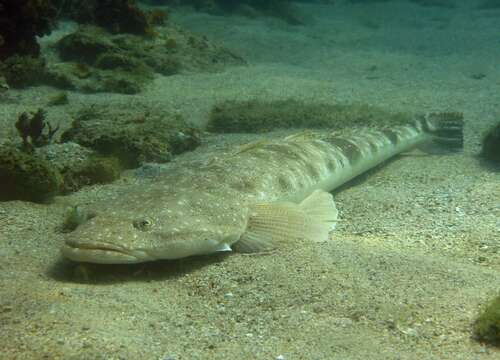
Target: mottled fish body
248,200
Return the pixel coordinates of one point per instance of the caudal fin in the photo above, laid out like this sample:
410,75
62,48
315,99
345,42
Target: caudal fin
447,131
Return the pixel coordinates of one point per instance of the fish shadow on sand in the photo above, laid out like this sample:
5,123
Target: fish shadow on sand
362,178
102,274
488,165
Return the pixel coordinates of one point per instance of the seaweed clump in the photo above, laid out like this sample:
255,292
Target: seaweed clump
260,116
487,325
31,129
491,145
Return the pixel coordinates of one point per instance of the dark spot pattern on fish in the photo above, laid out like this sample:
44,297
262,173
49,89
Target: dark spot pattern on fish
391,135
312,171
348,148
331,164
373,146
284,183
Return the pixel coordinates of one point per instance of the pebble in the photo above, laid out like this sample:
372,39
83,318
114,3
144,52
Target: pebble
410,332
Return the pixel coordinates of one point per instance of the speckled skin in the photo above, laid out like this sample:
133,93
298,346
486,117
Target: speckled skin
203,208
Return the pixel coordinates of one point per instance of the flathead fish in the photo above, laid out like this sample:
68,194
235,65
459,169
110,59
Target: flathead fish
251,199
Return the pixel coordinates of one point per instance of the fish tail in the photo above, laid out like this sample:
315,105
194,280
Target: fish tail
446,130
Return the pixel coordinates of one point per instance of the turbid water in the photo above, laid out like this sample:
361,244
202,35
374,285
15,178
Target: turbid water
415,254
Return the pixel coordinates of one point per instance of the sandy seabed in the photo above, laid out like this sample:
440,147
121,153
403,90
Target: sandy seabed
415,255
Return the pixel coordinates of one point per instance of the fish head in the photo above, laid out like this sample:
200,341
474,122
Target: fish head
131,235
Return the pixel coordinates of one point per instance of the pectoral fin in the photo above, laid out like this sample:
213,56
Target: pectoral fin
224,247
270,224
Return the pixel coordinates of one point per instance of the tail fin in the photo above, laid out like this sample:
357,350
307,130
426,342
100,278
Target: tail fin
447,131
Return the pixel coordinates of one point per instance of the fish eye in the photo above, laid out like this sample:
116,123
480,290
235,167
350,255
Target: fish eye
143,224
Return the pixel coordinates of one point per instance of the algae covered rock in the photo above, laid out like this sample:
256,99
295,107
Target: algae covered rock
22,71
50,170
132,138
85,44
117,16
259,116
283,9
80,166
491,145
121,54
94,60
21,21
96,170
26,176
487,326
93,63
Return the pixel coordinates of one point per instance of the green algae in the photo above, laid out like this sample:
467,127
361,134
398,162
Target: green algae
75,216
487,326
260,116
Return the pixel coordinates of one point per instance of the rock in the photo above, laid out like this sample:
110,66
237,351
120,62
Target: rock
80,166
22,71
491,145
94,60
26,176
85,45
487,325
133,138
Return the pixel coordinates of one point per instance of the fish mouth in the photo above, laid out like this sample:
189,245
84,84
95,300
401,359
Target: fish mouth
102,253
